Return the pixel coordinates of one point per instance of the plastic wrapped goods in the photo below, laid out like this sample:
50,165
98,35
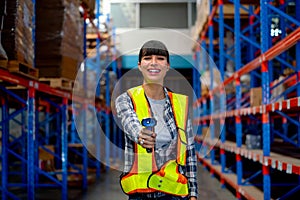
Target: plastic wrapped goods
59,38
16,35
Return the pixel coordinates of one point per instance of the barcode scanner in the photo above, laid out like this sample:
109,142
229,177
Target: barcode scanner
149,123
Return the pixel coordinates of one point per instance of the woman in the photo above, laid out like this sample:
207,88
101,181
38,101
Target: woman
159,163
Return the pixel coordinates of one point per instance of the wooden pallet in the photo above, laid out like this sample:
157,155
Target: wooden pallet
60,83
18,67
3,64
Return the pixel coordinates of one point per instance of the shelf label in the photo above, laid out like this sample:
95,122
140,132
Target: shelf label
280,105
289,168
266,163
274,164
261,159
279,167
254,157
260,109
249,155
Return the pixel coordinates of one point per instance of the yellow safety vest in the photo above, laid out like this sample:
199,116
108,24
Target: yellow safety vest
144,177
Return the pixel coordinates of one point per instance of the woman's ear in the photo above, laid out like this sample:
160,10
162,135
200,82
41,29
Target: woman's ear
168,67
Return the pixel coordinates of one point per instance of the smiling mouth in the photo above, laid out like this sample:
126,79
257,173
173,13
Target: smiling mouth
153,70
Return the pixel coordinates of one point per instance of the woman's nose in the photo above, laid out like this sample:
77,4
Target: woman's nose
153,60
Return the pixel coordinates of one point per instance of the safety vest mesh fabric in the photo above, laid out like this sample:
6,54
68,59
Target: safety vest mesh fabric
144,177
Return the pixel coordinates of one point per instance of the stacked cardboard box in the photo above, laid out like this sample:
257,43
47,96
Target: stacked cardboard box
255,96
17,30
59,38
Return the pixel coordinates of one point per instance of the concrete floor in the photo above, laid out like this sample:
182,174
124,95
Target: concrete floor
108,188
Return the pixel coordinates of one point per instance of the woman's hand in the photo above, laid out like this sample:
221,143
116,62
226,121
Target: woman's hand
147,138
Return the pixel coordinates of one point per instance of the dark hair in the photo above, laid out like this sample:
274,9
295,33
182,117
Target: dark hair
154,47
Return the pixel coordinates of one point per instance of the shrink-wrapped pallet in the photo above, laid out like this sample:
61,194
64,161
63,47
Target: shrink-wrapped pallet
59,38
16,35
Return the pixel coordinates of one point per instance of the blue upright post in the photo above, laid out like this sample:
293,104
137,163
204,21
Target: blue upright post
222,94
24,150
253,80
64,148
4,161
282,21
265,95
98,39
107,121
84,148
85,109
211,70
30,143
47,127
196,88
297,8
33,29
204,103
97,143
238,124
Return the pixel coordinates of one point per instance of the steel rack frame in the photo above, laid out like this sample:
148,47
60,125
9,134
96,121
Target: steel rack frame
264,54
36,134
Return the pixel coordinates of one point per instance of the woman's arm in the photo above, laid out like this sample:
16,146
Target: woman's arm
191,163
129,120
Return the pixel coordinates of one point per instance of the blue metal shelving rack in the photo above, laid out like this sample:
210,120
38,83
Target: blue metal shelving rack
263,57
45,117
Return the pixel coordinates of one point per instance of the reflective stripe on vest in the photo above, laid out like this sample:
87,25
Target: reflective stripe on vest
144,176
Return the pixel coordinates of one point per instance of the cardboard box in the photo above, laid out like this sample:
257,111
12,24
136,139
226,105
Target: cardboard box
255,96
16,34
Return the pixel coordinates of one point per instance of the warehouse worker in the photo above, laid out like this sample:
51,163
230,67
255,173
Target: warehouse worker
159,163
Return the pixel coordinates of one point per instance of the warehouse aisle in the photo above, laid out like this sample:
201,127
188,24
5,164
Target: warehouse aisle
108,188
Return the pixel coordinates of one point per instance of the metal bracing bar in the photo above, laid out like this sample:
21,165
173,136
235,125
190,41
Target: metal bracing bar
286,16
287,91
48,119
288,117
274,51
250,27
292,191
50,152
284,137
49,176
251,177
13,95
250,41
12,115
284,62
228,57
228,27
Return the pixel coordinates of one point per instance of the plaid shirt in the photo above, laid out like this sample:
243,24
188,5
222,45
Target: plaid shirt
132,126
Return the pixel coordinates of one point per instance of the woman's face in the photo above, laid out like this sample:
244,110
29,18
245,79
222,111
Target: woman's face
154,68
